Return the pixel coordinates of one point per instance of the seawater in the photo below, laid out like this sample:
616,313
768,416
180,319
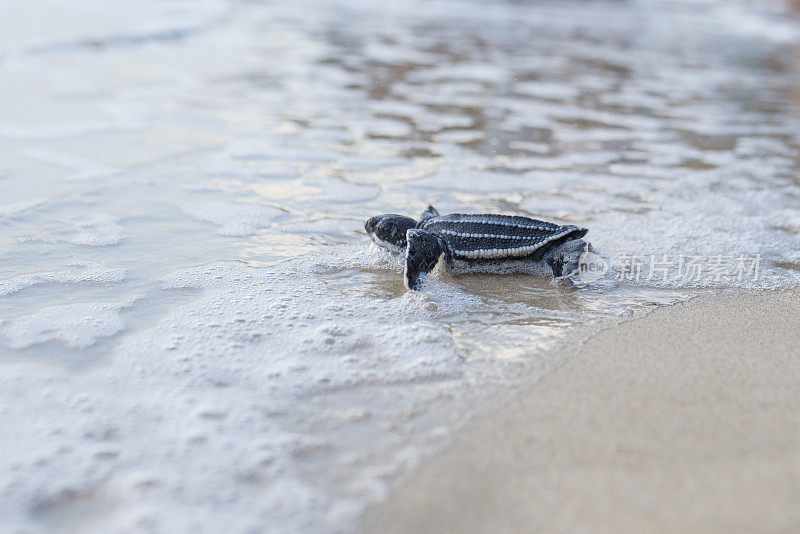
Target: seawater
195,334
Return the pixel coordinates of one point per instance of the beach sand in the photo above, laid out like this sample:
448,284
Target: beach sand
686,418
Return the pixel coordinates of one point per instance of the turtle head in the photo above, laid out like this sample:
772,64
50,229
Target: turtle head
423,253
389,231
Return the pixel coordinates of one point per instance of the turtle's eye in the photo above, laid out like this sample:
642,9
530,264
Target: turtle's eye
382,230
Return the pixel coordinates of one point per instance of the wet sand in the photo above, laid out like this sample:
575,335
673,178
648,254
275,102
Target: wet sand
684,419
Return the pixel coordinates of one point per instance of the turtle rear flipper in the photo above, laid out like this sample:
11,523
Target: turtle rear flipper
564,260
423,253
428,213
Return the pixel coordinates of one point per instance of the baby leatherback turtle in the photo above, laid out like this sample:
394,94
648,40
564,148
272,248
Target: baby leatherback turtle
476,238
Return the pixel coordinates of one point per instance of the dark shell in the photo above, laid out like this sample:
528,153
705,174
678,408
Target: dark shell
488,236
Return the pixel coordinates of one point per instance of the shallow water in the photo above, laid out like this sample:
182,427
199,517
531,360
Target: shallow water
194,331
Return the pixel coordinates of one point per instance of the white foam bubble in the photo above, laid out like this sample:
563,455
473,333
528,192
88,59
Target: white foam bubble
233,219
97,231
76,273
76,325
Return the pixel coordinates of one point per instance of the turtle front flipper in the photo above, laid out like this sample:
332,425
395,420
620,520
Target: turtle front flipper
423,252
